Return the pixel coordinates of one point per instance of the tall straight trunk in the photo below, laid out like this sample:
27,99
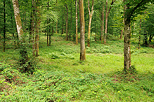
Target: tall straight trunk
121,33
82,32
66,22
48,25
37,27
70,31
106,18
4,31
106,22
50,33
76,22
18,20
32,23
139,43
56,22
90,19
127,36
62,29
102,25
95,26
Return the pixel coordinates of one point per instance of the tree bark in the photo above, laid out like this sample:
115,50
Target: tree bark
76,22
18,20
4,30
82,32
106,18
23,50
66,22
48,25
139,43
102,25
32,23
127,36
37,27
90,19
106,22
121,33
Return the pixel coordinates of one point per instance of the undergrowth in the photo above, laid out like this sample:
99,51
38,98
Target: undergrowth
61,77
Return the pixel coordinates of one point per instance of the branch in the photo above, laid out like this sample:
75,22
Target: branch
111,5
133,10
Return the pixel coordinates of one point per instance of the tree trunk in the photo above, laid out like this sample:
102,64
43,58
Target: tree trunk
90,19
32,23
106,22
66,23
48,25
102,25
70,29
121,34
76,22
139,43
56,22
4,31
37,27
106,18
127,36
18,20
82,32
23,50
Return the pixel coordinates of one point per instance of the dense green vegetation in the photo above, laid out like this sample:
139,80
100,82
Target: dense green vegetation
60,76
76,50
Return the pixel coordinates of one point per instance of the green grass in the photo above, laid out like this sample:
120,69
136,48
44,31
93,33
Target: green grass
62,77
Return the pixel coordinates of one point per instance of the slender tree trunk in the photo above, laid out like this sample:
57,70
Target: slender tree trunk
106,22
66,23
95,26
32,23
70,31
56,22
106,18
90,19
50,33
4,28
139,43
76,22
37,27
48,25
82,32
62,29
102,25
121,34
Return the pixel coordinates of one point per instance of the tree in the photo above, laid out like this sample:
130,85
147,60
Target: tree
82,31
106,18
90,19
23,50
131,9
4,29
76,4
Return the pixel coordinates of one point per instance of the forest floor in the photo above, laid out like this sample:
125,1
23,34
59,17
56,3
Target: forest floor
61,77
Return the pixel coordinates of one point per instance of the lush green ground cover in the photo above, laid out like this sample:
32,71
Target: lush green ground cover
61,77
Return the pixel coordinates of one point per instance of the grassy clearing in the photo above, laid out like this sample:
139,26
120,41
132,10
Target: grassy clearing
61,77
